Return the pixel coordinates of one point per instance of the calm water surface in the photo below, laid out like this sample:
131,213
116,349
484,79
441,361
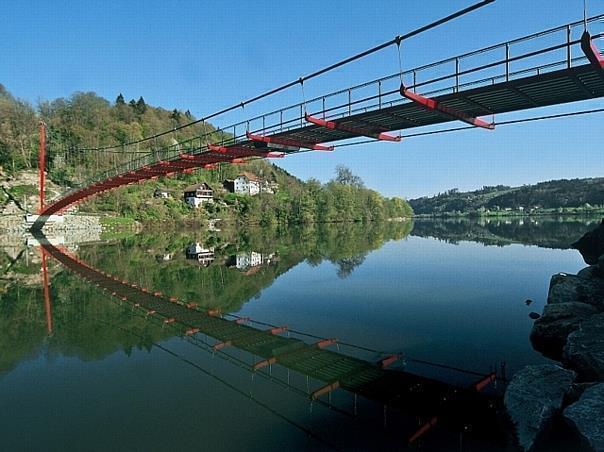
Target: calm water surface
103,375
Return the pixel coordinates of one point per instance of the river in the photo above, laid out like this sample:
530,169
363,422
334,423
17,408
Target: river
94,372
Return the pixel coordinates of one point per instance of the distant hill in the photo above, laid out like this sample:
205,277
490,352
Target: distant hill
557,196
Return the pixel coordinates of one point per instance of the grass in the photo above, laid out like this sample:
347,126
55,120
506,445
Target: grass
19,191
117,222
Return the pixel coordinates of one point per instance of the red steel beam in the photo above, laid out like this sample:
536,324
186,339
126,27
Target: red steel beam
242,151
42,163
362,131
591,51
221,345
264,363
194,158
287,142
423,429
325,389
434,105
389,360
47,304
484,382
326,343
278,330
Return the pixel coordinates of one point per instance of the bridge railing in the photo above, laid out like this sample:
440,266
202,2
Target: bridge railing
547,51
538,53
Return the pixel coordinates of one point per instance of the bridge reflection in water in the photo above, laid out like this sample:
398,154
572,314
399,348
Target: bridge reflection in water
325,370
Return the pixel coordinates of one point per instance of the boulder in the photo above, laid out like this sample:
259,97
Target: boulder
587,415
584,350
549,332
564,288
591,272
533,397
591,245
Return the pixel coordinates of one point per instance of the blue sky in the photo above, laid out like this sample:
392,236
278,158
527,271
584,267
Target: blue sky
207,55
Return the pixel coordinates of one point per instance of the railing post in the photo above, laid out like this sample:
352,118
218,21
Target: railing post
507,61
323,107
414,81
349,102
301,116
379,94
281,120
568,50
456,75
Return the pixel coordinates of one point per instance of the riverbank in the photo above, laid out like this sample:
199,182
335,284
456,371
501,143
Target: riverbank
515,214
543,399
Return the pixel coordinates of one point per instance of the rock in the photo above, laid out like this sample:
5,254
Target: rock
593,271
591,245
533,397
584,350
576,391
565,288
549,332
534,315
528,302
587,415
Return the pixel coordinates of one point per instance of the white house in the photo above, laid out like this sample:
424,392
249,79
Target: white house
196,195
247,184
162,193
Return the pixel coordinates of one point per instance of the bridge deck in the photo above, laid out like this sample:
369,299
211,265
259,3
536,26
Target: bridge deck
553,88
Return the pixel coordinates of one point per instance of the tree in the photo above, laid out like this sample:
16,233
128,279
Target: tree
175,117
141,106
120,100
345,176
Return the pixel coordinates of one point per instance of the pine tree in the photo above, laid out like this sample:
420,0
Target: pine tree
120,100
141,106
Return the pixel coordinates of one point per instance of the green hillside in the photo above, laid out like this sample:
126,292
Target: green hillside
574,196
86,120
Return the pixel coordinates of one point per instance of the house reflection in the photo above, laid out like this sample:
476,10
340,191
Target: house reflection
250,262
165,257
200,253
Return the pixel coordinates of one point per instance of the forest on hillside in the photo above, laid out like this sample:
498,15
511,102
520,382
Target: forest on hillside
86,120
557,196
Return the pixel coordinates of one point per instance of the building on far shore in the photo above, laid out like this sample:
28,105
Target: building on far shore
248,184
198,194
162,193
244,184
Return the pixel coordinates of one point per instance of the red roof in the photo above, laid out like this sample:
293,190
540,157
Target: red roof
248,175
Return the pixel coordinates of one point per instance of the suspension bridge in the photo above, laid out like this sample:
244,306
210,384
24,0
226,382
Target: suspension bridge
555,66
